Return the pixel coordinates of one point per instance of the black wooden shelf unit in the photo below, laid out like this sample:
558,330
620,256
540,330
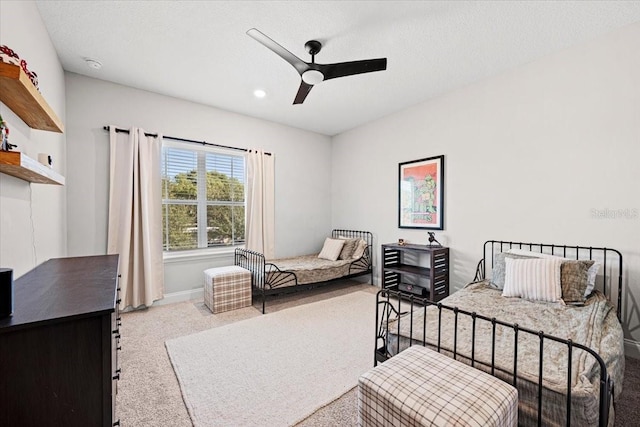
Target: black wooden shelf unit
404,268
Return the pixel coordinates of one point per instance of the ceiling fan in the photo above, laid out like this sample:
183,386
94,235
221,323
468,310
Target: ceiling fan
313,73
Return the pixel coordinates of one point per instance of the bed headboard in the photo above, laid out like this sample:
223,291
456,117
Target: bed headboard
367,236
609,280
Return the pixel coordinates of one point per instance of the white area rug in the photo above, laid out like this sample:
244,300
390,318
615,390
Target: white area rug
278,368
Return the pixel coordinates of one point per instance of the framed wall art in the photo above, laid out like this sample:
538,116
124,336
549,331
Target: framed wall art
421,194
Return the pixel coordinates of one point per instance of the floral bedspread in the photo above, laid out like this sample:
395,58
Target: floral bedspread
594,325
311,269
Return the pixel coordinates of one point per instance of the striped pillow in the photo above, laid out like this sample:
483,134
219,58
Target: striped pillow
592,273
497,274
533,279
331,249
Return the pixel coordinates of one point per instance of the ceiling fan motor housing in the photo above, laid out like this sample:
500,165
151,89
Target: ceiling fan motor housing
313,47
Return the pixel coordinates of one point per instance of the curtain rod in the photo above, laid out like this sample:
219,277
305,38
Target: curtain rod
119,130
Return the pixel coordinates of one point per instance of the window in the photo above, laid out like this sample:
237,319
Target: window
202,198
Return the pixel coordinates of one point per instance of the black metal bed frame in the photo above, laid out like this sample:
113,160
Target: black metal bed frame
268,279
392,304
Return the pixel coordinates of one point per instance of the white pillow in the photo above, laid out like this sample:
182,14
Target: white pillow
535,279
331,249
359,251
591,274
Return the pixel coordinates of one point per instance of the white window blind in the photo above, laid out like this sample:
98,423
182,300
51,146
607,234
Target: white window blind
202,198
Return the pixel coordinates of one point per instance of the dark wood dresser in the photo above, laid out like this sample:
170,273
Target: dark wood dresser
58,352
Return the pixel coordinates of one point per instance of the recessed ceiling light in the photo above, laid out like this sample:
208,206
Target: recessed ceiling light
92,63
259,93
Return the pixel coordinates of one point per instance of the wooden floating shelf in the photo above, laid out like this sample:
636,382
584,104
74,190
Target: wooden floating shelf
22,97
16,164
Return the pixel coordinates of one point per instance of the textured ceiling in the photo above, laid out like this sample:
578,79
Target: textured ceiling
199,50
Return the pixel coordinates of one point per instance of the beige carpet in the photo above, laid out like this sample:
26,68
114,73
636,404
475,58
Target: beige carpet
149,394
276,369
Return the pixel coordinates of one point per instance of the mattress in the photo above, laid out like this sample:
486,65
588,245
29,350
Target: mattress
311,269
594,325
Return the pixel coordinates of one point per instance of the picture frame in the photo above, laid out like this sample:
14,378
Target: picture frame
421,193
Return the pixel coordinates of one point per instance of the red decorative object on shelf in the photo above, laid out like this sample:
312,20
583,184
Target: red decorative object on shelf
10,57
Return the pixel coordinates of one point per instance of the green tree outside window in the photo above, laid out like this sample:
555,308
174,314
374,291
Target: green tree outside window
223,202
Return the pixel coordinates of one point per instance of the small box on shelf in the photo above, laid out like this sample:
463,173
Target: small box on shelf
413,289
21,166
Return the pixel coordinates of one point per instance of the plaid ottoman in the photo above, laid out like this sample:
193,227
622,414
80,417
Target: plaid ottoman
421,387
227,288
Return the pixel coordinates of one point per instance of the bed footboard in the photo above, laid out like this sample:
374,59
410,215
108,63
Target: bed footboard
265,276
394,311
254,262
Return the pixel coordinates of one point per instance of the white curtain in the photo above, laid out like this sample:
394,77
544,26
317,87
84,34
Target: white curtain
135,216
260,224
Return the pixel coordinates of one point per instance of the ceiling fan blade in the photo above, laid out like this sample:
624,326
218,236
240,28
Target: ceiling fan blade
343,69
297,63
303,91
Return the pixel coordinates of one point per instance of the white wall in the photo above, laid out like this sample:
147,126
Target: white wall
32,216
303,190
528,155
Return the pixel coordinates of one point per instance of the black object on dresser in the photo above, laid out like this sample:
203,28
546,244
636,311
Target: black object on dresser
58,352
404,269
6,292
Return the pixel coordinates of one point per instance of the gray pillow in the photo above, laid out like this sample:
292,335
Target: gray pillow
361,247
499,267
348,248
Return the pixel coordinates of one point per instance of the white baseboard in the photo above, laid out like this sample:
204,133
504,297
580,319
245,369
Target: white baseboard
181,296
632,348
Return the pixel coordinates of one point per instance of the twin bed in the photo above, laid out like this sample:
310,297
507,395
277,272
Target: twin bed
561,345
566,359
285,275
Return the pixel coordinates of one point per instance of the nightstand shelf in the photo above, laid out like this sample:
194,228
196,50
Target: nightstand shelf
409,269
21,96
17,164
404,269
